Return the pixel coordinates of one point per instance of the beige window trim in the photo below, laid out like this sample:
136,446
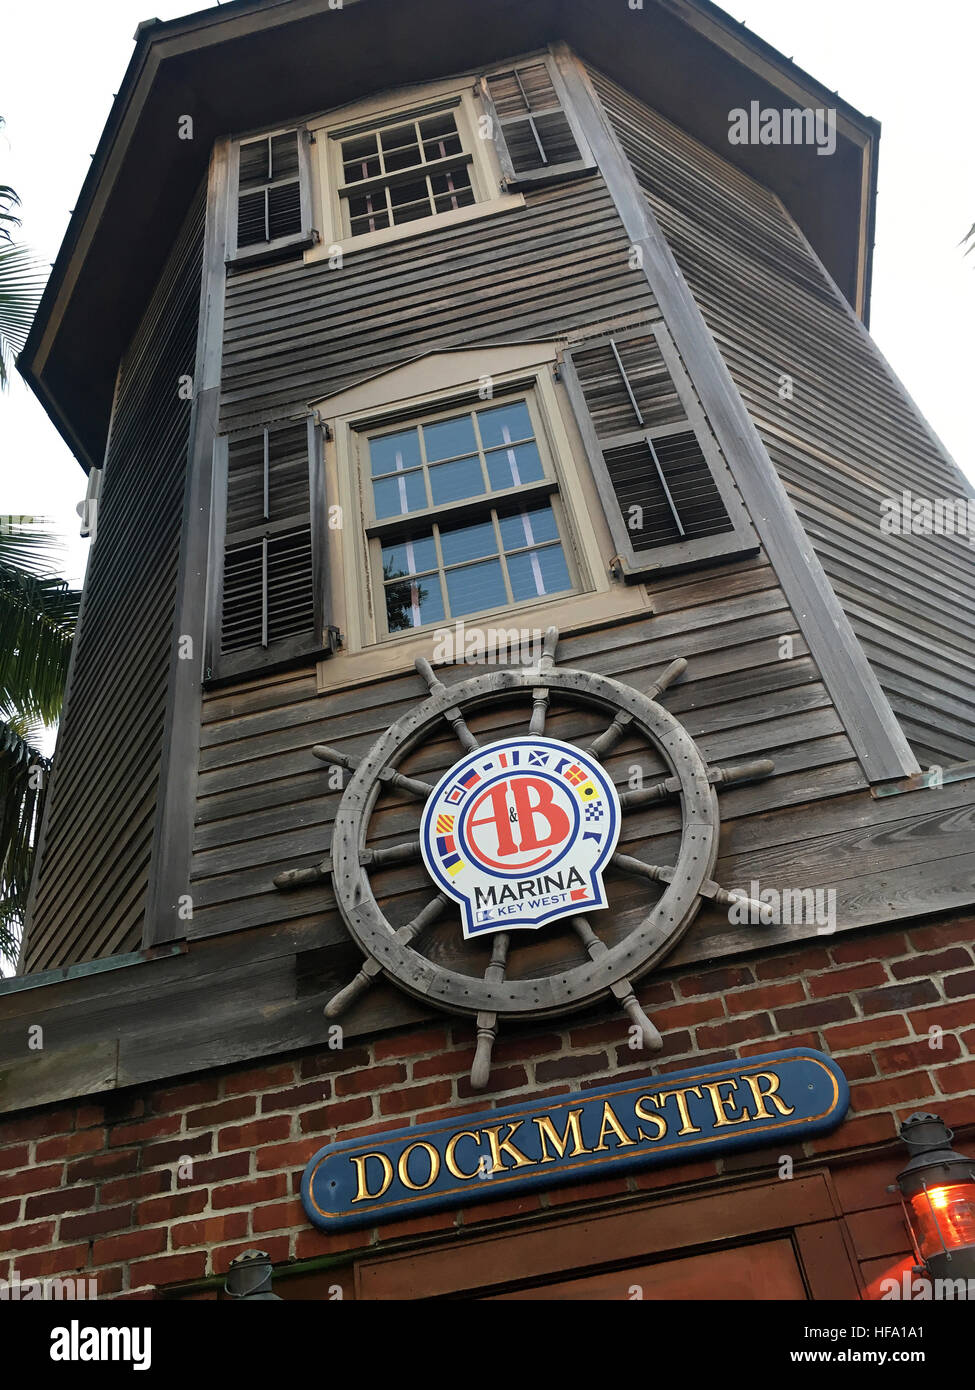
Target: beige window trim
456,95
423,387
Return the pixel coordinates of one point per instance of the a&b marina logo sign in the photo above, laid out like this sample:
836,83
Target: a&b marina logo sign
518,833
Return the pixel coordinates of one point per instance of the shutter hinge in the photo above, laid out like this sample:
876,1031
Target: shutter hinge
333,638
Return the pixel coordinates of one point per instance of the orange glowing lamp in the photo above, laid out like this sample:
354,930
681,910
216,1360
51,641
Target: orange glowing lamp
938,1192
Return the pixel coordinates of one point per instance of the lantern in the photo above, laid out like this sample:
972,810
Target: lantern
938,1194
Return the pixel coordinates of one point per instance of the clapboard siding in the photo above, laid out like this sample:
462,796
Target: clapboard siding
296,333
847,439
264,803
94,863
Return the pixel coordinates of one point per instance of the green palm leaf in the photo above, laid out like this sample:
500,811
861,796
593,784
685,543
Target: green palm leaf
22,280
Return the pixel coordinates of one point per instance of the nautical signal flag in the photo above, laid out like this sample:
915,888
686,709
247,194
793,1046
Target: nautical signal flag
445,824
588,791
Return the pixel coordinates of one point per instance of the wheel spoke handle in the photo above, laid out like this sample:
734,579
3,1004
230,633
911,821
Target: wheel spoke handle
487,1022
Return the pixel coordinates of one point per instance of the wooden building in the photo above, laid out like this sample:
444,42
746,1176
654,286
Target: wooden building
379,331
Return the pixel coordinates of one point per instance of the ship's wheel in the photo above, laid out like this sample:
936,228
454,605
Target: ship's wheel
570,963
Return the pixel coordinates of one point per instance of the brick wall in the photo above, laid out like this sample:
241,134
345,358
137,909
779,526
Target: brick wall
103,1187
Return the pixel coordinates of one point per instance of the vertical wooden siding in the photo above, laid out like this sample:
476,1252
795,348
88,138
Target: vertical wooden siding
847,439
93,869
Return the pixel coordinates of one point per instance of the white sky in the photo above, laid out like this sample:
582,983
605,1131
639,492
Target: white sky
906,64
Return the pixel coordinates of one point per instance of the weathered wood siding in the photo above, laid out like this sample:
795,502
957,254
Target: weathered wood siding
93,868
294,333
848,438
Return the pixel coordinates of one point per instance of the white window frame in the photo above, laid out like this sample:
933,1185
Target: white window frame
452,380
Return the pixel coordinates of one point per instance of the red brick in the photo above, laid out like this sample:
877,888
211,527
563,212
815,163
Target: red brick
858,1066
907,1056
960,986
211,1230
14,1156
87,1115
144,1185
207,1116
877,1095
897,998
946,1016
267,1188
336,1114
762,997
836,982
310,1093
171,1207
10,1212
370,1080
278,1216
182,1097
276,1247
108,1281
169,1269
260,1079
158,1127
586,1191
448,1064
129,1246
31,1180
865,1034
716,981
85,1141
175,1150
67,1259
526,1047
937,934
98,1166
856,947
55,1203
36,1126
29,1237
222,1169
690,1013
916,967
418,1225
502,1079
814,1014
95,1223
793,1040
653,993
337,1059
311,1244
953,1081
270,1129
294,1154
856,1132
410,1044
569,1067
795,963
736,1030
408,1098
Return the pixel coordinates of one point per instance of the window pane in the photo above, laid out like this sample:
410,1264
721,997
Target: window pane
400,148
475,587
403,558
468,543
452,482
536,572
410,201
400,494
449,439
503,423
440,137
411,604
360,158
391,453
521,463
529,528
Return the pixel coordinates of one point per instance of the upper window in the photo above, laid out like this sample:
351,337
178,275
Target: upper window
534,126
465,515
272,196
402,171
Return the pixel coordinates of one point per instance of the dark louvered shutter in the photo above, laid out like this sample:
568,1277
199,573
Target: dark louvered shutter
669,496
271,597
272,196
533,132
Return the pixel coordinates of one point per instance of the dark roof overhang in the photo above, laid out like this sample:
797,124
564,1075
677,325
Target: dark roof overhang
253,63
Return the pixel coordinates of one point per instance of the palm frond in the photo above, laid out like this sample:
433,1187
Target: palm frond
38,614
23,778
22,279
970,238
8,200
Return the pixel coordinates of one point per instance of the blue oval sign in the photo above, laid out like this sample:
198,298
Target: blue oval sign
788,1095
